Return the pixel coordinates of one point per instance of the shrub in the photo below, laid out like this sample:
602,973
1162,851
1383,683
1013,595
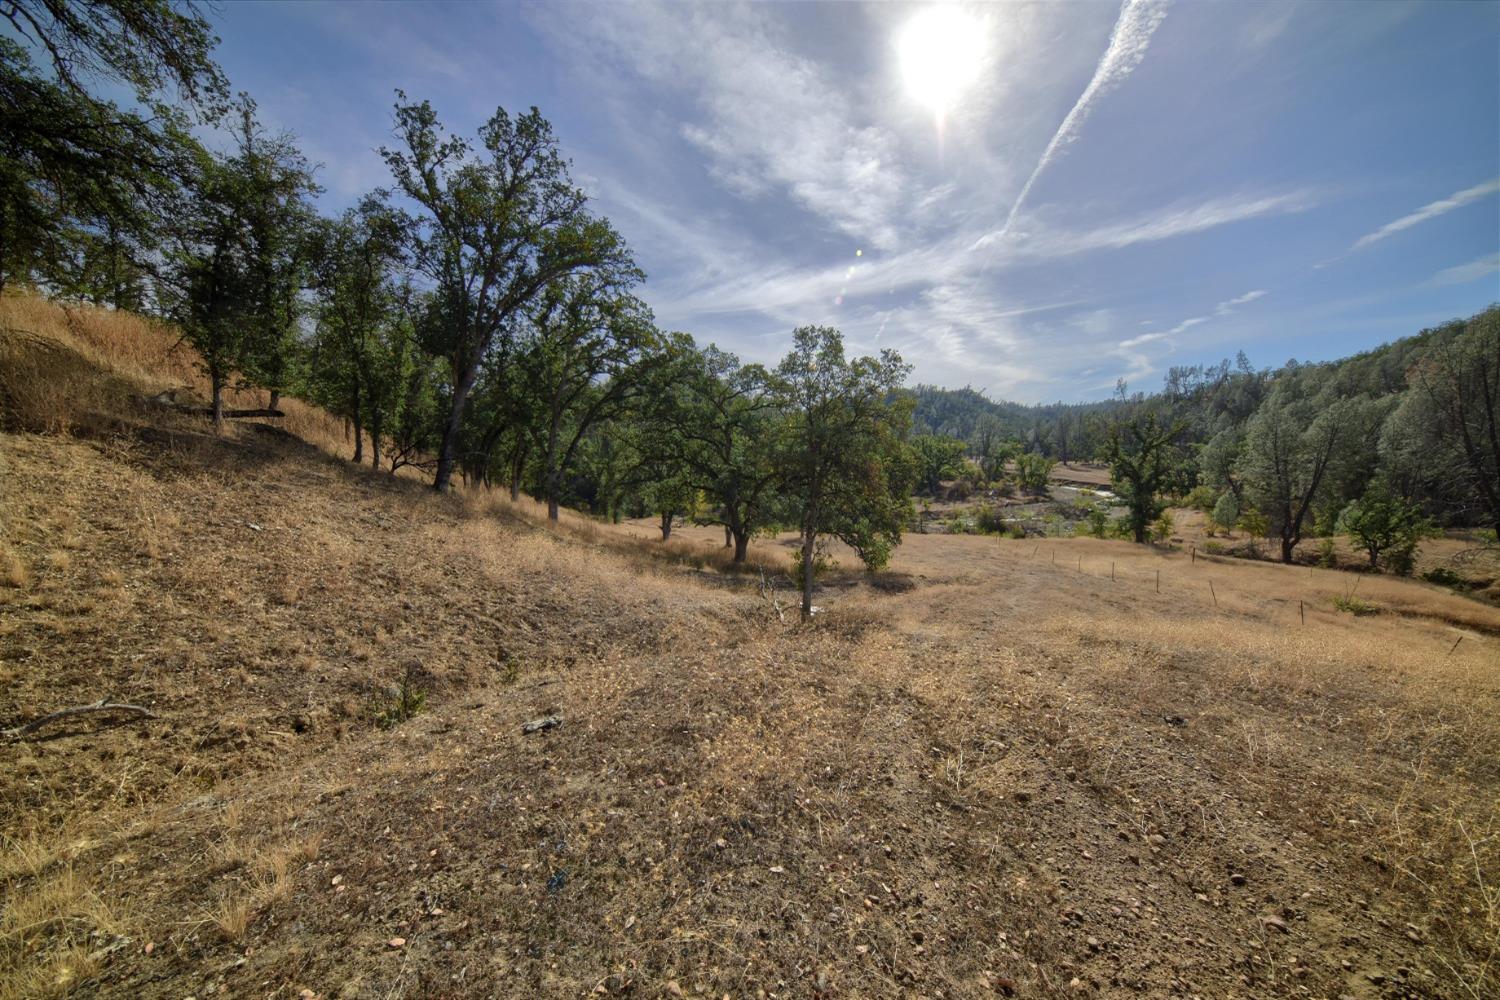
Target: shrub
1383,523
1161,529
1098,522
1445,577
1214,548
1201,497
990,520
406,701
1226,512
1327,555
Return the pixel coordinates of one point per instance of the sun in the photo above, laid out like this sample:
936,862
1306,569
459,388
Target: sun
941,52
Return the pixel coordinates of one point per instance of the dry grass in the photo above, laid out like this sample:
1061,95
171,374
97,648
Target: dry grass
1006,770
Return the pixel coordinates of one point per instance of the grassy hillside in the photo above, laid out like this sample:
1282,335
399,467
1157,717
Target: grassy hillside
1079,768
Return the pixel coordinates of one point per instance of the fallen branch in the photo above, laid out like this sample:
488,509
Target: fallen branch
102,705
768,594
169,400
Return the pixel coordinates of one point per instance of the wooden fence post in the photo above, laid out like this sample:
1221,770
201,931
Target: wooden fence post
1158,581
1214,592
1302,611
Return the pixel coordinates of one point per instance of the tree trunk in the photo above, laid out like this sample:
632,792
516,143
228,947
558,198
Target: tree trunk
809,538
275,399
1287,545
552,506
218,407
666,525
515,488
451,427
375,440
359,428
741,545
728,538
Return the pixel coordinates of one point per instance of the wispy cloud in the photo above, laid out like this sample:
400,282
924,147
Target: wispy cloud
1222,309
1429,211
1175,220
1472,271
1138,21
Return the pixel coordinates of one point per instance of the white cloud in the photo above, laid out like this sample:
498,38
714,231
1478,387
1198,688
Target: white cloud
1222,309
1176,220
1472,271
1138,21
1429,211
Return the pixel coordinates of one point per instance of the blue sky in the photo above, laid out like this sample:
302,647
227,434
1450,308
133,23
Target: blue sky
1294,180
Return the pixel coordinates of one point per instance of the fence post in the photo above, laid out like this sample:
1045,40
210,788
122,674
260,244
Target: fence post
1111,571
1214,592
1194,554
1455,645
1158,581
1302,610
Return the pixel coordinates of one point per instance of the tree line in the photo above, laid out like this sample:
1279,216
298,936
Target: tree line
1386,445
474,317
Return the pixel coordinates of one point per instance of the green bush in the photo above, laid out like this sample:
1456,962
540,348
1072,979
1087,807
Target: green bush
1445,577
1161,529
990,521
1327,554
406,700
1201,497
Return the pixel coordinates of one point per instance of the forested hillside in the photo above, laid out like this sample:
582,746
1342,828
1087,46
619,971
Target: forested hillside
1418,420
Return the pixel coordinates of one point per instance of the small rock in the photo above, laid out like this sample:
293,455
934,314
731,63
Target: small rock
1237,879
538,725
396,942
1277,923
673,988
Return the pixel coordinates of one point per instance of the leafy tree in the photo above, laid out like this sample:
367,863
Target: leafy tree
83,182
1383,523
501,222
844,469
589,356
1226,512
1033,470
938,458
227,263
714,427
1446,432
1294,451
1140,452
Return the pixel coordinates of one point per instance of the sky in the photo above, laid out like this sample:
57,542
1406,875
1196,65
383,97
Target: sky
1034,200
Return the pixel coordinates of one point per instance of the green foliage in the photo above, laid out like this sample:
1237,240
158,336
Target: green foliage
1098,521
990,520
405,702
500,222
240,255
1201,497
1386,526
938,458
1140,453
1161,528
822,564
1298,453
1445,577
1032,471
840,458
1328,553
1226,511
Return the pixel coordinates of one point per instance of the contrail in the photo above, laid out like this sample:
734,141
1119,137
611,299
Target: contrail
1138,21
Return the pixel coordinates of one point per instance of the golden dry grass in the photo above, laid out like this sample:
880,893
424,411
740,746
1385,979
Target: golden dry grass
1020,769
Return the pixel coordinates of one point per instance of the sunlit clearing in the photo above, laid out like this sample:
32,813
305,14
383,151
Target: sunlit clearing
941,51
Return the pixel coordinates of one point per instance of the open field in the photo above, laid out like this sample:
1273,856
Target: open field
1002,768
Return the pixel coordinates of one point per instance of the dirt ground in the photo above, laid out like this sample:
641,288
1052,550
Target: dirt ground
1069,768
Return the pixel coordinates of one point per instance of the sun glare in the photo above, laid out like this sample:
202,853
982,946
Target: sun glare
941,51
